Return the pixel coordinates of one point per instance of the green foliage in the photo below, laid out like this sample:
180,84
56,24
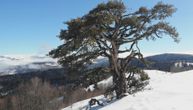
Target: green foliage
144,77
93,76
105,29
137,79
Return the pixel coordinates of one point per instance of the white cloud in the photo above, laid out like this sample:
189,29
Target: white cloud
44,49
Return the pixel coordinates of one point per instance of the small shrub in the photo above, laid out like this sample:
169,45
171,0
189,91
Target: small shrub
137,82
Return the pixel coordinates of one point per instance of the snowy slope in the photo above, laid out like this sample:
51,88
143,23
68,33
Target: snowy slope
165,92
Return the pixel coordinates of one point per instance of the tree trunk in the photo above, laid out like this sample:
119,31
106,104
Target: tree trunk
120,85
119,78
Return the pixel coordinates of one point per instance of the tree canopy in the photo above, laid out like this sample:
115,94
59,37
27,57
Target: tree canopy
105,30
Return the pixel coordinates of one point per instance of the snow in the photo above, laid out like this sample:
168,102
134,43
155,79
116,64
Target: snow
165,91
105,83
181,64
102,84
99,62
190,64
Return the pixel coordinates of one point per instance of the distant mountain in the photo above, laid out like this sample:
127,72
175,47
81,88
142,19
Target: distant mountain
25,64
164,62
170,62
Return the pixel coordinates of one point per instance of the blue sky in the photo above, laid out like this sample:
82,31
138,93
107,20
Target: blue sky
31,26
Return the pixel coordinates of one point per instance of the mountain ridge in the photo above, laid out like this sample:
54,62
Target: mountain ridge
171,62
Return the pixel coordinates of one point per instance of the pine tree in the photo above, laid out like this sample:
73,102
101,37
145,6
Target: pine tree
105,30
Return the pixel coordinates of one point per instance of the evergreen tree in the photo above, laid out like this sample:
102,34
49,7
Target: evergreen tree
104,31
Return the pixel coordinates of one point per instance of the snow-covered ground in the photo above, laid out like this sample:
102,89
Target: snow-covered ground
166,91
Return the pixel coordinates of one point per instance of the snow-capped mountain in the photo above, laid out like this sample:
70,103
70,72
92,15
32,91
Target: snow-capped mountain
23,64
171,62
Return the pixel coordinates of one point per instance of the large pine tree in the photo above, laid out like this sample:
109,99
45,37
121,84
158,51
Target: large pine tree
104,31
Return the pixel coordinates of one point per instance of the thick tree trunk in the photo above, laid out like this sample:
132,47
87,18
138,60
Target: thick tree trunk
120,85
119,78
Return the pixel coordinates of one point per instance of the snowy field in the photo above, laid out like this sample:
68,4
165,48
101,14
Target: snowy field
166,91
